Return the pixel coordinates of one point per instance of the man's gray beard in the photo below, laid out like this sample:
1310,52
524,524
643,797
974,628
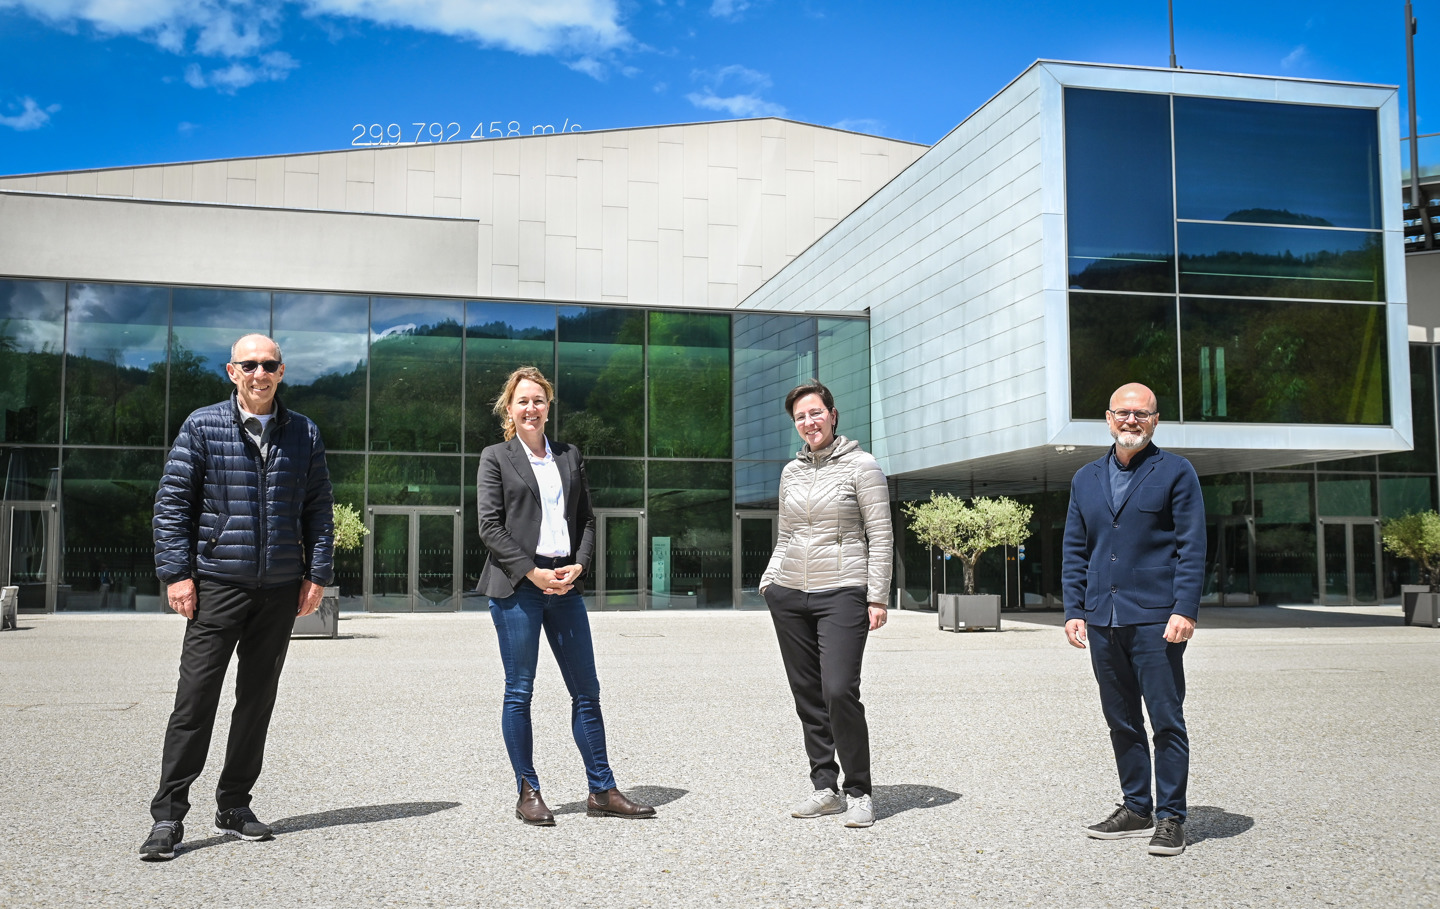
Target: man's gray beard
1129,446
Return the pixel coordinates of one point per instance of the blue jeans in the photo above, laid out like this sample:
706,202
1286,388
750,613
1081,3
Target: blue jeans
519,619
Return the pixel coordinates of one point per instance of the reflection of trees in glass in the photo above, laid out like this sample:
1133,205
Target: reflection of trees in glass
602,373
1131,271
1284,362
1276,216
108,501
107,403
689,385
1120,339
414,480
193,384
29,387
1334,274
415,389
336,404
690,503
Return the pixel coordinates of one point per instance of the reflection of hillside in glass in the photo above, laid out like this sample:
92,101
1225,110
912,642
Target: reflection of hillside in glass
1133,271
415,375
499,337
1276,216
32,337
689,385
1238,260
1284,362
324,339
600,381
1115,340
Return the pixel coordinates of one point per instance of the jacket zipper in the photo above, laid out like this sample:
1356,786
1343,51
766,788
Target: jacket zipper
263,537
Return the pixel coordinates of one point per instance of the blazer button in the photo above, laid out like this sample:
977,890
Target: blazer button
1116,526
1112,556
1113,588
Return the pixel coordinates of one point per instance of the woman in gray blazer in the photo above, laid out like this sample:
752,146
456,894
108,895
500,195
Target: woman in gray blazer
539,532
827,586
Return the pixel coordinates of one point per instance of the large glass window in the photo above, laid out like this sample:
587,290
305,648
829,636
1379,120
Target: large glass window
115,365
500,338
601,382
1120,338
690,505
1339,494
347,482
845,370
30,474
204,326
108,503
1285,546
1276,163
415,480
324,340
1121,231
1420,459
32,336
415,374
773,354
689,385
1246,260
1254,361
616,482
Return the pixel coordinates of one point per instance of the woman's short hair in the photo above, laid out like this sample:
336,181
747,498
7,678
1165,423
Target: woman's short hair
507,395
810,388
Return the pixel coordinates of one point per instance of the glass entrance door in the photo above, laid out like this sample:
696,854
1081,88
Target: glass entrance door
1349,561
1230,562
412,558
755,536
620,560
30,547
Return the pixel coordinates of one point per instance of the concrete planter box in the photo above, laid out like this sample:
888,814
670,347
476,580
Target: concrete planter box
1426,611
9,613
959,612
1408,593
323,622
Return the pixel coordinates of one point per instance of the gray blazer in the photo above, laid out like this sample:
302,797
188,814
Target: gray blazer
508,502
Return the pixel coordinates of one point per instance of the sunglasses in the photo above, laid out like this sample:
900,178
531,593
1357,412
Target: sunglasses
249,366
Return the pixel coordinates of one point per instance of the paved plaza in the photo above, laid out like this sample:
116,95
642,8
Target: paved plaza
1316,770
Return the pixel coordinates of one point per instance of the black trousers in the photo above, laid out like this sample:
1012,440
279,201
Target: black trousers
257,624
822,642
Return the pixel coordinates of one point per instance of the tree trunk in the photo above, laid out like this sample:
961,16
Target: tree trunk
970,575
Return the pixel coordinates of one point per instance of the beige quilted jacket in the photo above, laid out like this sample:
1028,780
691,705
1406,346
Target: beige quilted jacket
834,523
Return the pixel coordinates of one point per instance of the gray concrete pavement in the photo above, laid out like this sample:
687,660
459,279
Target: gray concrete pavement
1316,770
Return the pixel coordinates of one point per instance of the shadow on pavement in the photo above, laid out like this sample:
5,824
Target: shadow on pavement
892,800
1206,822
1257,617
340,817
655,796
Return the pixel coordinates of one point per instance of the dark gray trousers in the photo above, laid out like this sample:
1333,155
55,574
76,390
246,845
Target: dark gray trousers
822,642
257,624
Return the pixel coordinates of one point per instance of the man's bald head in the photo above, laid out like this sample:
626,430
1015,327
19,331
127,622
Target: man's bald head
1134,396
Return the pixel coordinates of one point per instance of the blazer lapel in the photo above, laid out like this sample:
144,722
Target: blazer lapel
1102,475
562,460
521,461
1135,482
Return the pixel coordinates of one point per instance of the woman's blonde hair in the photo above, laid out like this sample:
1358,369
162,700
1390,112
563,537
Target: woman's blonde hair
507,395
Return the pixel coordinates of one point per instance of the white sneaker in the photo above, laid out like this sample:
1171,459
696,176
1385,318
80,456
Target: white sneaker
861,813
820,803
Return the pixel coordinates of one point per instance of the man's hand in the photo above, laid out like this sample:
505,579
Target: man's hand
1075,633
310,594
1179,629
878,616
181,595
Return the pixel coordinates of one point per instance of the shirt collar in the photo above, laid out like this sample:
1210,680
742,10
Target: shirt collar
549,456
1140,457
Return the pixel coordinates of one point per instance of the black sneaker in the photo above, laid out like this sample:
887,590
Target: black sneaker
241,822
1122,823
1169,838
164,837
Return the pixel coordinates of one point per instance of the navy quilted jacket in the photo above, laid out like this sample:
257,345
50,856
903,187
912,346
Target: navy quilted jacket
224,514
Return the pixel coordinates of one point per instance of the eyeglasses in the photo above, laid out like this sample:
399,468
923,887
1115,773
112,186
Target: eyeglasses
814,416
249,366
1139,416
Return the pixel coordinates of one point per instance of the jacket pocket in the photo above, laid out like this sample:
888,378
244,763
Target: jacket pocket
1152,498
1155,587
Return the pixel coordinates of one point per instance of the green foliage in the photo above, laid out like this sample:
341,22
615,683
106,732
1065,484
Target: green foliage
1415,536
349,529
966,530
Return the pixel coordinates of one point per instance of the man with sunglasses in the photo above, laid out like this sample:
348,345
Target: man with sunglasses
243,544
1134,559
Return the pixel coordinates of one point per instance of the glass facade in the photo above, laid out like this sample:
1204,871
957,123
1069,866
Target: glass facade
402,389
1252,229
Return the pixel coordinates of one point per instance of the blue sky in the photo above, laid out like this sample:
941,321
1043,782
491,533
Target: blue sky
94,83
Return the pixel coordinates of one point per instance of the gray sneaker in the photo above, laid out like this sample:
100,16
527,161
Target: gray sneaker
861,813
820,803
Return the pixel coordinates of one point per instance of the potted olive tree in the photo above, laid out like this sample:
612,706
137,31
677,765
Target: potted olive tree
965,531
350,531
1417,537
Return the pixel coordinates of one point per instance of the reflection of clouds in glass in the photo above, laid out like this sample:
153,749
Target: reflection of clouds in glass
320,334
131,346
117,303
511,320
389,317
210,345
30,336
239,312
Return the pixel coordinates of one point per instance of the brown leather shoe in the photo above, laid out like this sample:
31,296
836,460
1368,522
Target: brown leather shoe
613,803
531,807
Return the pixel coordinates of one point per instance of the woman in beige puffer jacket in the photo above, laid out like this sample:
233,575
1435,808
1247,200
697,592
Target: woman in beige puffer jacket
827,586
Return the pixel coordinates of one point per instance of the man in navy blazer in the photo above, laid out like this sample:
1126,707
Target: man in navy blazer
1134,559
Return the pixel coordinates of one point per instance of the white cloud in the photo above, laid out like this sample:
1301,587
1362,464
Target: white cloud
271,67
225,28
31,115
729,9
739,103
1296,58
736,105
590,67
530,27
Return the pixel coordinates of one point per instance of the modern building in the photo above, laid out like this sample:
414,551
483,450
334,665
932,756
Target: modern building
1233,241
